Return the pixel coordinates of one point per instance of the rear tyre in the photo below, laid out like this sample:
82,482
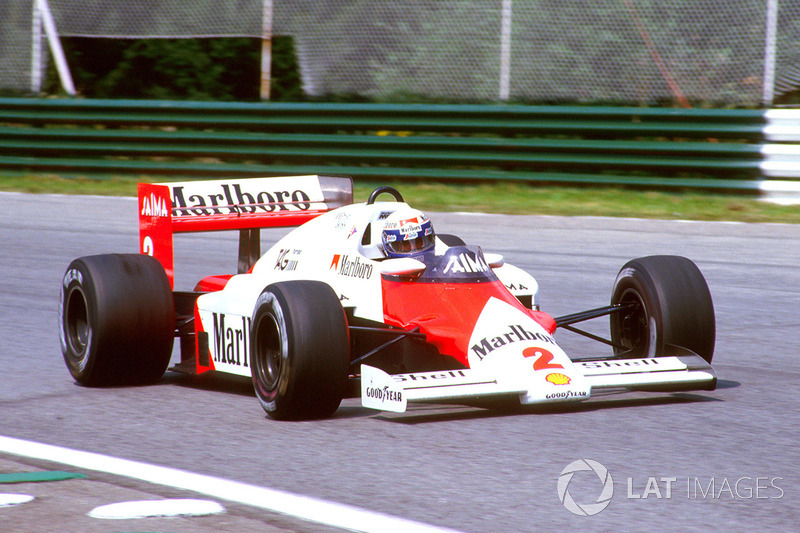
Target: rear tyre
116,320
673,307
299,350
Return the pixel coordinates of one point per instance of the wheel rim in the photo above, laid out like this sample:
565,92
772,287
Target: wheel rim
268,348
77,325
634,327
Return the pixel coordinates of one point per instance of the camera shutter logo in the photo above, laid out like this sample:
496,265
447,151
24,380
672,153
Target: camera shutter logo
585,509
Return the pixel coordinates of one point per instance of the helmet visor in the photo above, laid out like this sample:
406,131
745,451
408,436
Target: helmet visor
421,243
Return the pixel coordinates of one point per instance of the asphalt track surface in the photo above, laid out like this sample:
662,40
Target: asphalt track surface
733,452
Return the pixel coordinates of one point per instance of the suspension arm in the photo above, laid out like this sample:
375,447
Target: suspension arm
582,316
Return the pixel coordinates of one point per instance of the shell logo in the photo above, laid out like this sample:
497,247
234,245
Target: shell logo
556,378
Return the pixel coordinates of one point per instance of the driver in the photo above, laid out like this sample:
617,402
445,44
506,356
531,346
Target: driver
407,232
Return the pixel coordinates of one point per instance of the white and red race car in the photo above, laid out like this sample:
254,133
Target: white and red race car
324,313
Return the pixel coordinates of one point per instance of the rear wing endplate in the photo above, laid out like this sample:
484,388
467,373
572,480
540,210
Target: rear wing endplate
232,204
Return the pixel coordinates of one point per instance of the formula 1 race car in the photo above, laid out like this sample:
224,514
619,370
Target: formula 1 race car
364,297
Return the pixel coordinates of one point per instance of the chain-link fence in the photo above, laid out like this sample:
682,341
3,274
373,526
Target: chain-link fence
655,52
16,23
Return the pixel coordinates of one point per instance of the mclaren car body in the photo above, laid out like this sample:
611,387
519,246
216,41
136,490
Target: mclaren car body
324,314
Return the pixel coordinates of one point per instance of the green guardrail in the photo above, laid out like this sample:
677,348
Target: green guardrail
650,147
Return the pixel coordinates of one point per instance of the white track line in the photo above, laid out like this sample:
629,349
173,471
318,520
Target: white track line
150,508
303,507
7,500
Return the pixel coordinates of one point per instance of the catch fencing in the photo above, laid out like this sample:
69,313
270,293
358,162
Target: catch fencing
717,53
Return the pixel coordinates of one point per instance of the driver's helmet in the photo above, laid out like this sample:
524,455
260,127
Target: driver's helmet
407,232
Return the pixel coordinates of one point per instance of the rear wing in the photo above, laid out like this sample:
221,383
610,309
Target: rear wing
232,204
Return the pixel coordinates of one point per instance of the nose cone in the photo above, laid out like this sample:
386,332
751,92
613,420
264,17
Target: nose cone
509,343
503,328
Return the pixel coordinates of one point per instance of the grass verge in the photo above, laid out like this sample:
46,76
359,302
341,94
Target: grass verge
499,197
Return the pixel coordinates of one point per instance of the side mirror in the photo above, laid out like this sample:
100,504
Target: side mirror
403,266
494,260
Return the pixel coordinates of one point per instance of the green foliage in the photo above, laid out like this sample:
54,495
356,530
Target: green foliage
193,69
286,83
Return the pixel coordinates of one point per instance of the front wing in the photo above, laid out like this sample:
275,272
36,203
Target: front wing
386,392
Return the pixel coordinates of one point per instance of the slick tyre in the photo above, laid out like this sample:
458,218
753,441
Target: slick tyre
299,350
116,320
672,308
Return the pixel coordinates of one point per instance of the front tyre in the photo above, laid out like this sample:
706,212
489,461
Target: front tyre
299,350
670,306
116,320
